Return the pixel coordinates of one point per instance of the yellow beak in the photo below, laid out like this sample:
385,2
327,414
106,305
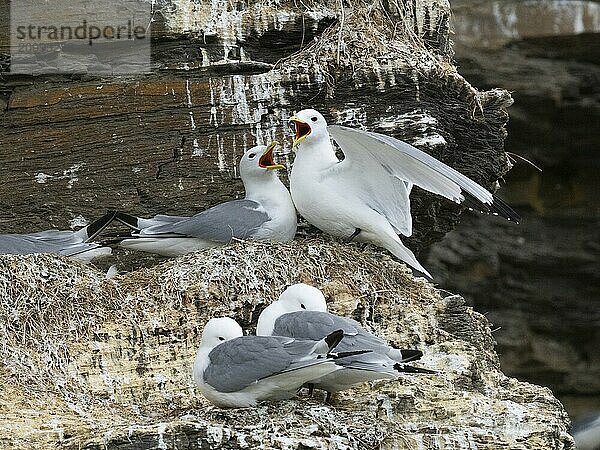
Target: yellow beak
266,159
302,129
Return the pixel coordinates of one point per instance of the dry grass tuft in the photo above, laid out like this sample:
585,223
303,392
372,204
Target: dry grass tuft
381,36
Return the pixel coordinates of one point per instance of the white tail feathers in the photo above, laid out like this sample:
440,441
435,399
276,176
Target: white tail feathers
399,250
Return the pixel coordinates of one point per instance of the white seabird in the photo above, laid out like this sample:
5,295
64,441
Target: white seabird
366,195
301,313
74,244
267,213
237,371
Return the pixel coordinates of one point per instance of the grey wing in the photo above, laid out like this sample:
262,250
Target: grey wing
316,325
23,244
78,248
239,219
368,341
312,325
85,234
56,236
240,362
372,361
168,219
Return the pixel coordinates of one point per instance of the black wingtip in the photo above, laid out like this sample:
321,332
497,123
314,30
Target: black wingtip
411,369
504,210
96,227
410,354
128,220
334,338
497,208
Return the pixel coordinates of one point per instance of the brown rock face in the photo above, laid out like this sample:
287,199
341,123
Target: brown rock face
169,142
107,363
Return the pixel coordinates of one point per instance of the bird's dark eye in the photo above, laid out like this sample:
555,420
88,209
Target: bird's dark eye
251,155
302,306
314,119
221,338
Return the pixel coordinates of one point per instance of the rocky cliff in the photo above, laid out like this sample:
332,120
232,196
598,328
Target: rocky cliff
228,75
94,363
539,282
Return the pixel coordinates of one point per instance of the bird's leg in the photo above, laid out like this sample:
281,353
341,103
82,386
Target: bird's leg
328,397
353,235
311,389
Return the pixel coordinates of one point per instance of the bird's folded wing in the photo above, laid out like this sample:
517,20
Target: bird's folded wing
403,161
364,339
317,324
22,244
85,234
236,219
162,218
313,325
368,361
56,236
78,248
240,362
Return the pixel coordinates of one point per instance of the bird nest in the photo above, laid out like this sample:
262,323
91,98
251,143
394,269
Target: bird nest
47,303
376,38
94,362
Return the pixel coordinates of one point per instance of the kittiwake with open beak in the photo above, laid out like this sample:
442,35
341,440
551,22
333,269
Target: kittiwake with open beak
366,195
267,213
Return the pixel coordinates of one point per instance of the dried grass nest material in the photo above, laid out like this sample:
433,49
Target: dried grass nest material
101,363
372,38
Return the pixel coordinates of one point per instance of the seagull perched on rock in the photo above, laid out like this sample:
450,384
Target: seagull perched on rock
237,371
74,244
267,213
366,195
301,313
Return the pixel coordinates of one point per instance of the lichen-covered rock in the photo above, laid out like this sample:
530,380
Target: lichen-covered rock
90,362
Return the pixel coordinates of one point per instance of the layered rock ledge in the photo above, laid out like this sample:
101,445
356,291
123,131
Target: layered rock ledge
89,362
228,75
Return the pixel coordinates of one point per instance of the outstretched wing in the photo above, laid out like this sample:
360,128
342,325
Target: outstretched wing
239,219
390,158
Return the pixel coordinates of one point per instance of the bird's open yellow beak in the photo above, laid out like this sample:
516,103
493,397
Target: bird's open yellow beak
302,129
266,159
